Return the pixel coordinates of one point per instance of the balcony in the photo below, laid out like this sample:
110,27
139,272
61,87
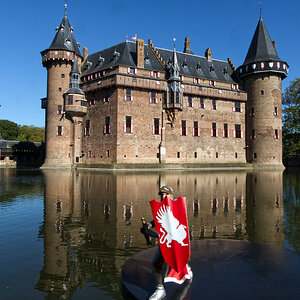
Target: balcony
77,109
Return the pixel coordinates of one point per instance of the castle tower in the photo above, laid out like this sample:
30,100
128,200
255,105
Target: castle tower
261,75
75,108
58,59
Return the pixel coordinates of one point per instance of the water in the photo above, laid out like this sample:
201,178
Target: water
66,235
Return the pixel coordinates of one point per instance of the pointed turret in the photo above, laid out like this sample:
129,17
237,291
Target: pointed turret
174,89
64,38
74,80
261,75
261,47
64,111
262,55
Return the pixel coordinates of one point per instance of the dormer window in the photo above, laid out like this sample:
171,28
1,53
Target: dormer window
198,66
211,68
116,55
225,71
184,64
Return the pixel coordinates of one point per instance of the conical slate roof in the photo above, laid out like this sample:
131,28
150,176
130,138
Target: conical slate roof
261,47
64,38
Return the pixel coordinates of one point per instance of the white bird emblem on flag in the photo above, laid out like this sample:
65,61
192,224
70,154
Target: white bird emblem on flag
171,228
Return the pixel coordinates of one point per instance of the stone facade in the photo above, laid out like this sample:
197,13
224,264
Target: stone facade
151,105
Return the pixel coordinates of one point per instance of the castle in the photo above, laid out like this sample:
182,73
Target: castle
138,103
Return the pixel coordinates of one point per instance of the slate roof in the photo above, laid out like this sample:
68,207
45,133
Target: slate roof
74,83
64,38
124,54
261,47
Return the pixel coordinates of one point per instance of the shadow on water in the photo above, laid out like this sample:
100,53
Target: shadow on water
91,219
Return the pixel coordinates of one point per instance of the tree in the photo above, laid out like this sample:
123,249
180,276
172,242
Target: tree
291,119
31,134
9,130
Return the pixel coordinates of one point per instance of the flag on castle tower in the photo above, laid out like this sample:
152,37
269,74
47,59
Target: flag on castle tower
133,38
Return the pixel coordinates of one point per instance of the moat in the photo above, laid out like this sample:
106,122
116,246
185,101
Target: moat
66,234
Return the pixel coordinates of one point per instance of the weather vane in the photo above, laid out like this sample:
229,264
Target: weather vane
260,3
66,7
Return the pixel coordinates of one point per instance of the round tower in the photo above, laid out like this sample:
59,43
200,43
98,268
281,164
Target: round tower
75,108
261,75
58,59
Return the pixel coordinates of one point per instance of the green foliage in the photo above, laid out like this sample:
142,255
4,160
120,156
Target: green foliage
14,132
31,134
9,130
291,119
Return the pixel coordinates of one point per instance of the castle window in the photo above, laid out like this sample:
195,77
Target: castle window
106,129
59,131
128,126
236,156
275,111
107,153
214,104
178,154
212,83
155,74
195,154
177,97
153,98
252,112
70,99
183,128
62,75
131,70
237,107
190,102
106,98
196,129
276,135
225,131
217,154
156,127
172,97
202,104
254,155
128,96
237,132
214,132
253,135
59,110
59,89
87,128
262,92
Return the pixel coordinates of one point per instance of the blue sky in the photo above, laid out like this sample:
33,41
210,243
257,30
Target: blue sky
226,26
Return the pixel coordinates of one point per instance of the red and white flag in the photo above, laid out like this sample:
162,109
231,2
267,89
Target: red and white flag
133,38
171,223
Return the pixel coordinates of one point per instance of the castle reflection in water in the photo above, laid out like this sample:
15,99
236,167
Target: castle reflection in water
92,219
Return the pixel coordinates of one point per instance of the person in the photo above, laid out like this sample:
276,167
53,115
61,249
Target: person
158,259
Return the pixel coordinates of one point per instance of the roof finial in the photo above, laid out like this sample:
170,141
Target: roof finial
260,9
66,8
174,42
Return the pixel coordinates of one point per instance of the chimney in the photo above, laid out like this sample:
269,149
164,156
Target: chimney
231,64
85,52
187,46
140,53
208,54
274,44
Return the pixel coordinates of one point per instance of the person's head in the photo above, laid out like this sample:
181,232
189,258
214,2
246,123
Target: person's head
165,190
